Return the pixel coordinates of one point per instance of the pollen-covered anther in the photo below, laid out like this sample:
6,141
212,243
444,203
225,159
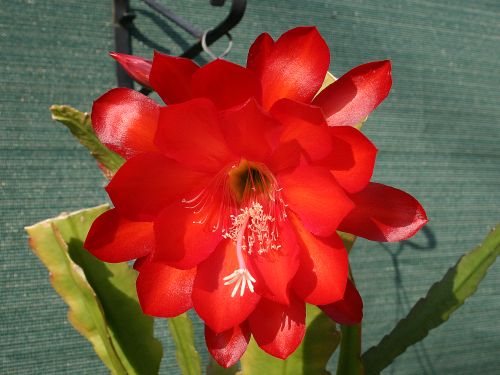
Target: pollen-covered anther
242,278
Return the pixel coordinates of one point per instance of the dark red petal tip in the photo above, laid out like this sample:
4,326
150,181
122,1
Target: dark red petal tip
136,67
295,66
351,98
278,329
227,347
347,311
383,213
114,239
125,121
164,291
171,77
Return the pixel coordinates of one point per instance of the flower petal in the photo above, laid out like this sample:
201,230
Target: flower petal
181,241
212,299
249,131
171,76
315,196
352,158
164,291
259,52
275,269
136,67
226,84
189,133
305,124
383,213
114,239
295,68
147,183
278,329
227,347
125,121
324,267
352,97
347,311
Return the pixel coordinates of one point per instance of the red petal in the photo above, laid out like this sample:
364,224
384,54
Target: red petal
180,242
227,347
324,266
278,329
296,67
136,67
347,311
212,299
171,77
190,133
352,158
164,291
315,196
305,124
383,213
226,84
125,121
249,131
275,269
259,52
147,183
352,97
115,239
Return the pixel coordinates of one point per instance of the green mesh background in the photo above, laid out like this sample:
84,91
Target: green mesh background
438,135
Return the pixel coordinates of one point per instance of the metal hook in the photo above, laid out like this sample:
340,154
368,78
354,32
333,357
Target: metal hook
209,51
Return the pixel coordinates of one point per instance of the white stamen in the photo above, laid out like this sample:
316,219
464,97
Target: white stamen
242,278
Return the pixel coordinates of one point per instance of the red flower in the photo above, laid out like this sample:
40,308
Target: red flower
231,195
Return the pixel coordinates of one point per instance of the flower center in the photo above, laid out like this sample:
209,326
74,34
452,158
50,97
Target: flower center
244,202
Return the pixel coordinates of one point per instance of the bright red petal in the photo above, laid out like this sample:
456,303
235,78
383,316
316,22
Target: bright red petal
164,291
347,311
352,97
115,239
383,213
306,125
259,53
278,329
295,68
226,84
315,196
275,269
324,267
352,158
147,183
212,299
249,131
181,241
136,67
189,133
125,121
171,77
227,347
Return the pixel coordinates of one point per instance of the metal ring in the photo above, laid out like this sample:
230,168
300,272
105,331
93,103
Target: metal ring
209,51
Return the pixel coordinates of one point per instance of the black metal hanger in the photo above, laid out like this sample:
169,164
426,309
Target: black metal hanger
123,21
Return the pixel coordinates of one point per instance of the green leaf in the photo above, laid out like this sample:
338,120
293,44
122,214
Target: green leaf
102,301
320,342
442,299
350,351
80,125
181,329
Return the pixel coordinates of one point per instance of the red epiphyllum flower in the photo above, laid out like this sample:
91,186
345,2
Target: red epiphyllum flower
232,194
